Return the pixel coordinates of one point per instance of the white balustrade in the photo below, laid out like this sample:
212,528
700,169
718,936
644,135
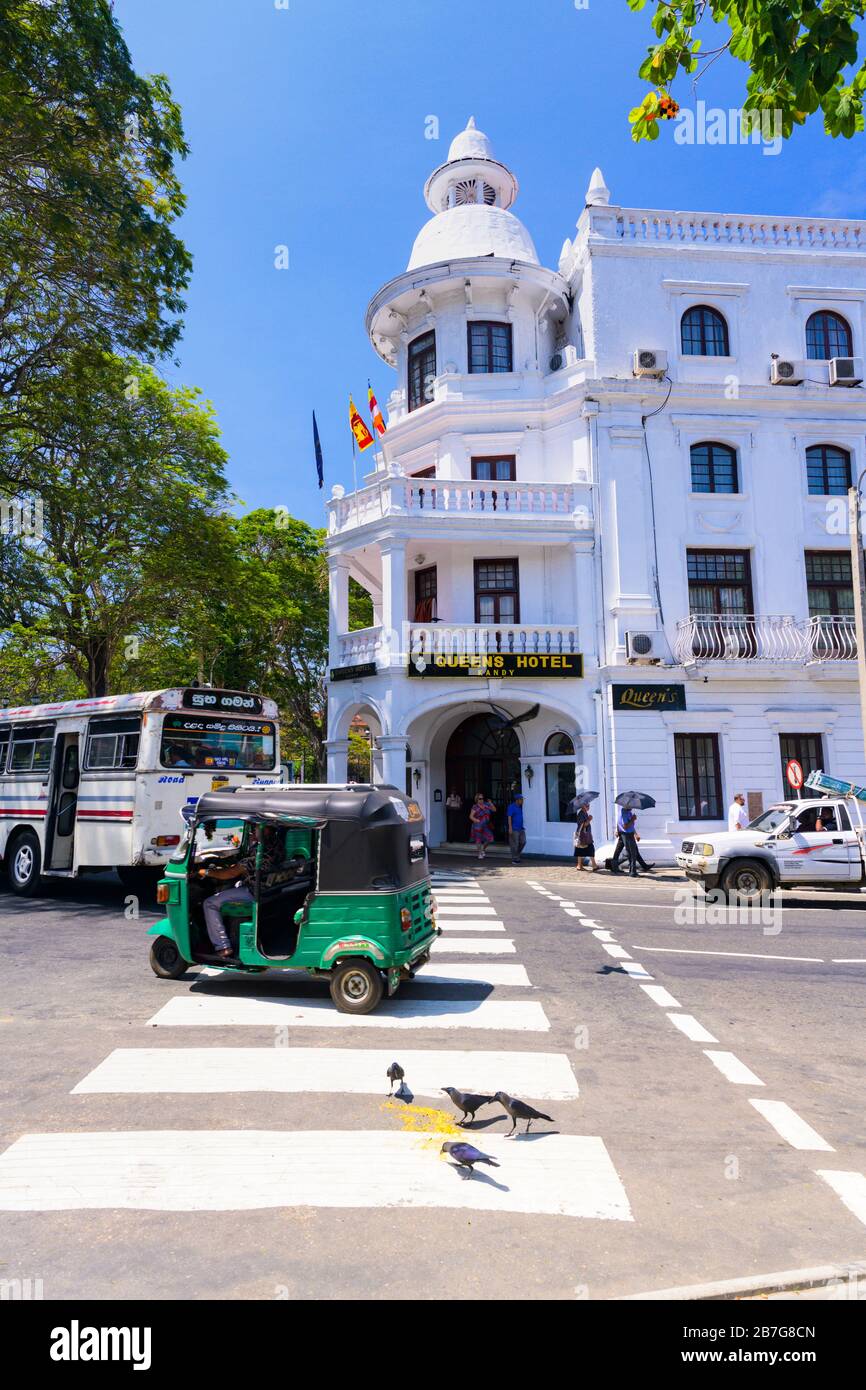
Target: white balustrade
764,637
360,646
430,498
480,639
644,225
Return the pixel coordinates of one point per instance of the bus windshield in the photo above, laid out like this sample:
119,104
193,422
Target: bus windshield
210,744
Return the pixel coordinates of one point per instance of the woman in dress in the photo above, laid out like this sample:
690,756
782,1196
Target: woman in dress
480,818
584,847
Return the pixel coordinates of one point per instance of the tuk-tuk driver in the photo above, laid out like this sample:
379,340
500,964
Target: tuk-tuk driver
243,872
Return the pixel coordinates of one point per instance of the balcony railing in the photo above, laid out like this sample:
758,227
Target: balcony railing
435,498
362,645
480,639
754,637
831,639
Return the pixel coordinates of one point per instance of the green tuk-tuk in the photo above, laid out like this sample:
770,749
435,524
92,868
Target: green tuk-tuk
342,892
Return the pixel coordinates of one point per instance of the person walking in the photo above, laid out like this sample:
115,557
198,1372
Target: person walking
738,816
584,846
626,827
480,816
516,832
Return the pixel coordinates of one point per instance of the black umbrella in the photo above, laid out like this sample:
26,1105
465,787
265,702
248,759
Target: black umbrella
635,801
582,799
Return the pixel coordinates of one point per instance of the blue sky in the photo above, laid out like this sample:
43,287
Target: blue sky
307,129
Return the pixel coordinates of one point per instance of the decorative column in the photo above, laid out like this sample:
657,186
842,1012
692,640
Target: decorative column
338,604
338,759
394,608
392,762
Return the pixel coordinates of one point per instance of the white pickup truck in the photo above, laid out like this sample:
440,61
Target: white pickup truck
816,841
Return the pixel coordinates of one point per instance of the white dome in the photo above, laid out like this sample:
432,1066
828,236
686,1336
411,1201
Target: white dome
472,230
470,144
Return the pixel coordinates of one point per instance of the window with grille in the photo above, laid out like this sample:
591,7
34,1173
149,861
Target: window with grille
699,779
719,581
808,751
714,468
489,347
496,591
422,370
827,335
704,333
828,582
828,469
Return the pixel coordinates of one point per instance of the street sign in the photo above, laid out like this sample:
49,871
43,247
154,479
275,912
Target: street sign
794,774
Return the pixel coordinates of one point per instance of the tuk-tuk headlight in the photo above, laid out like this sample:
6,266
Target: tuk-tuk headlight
405,919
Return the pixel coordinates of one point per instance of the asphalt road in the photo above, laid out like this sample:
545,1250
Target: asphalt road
661,1172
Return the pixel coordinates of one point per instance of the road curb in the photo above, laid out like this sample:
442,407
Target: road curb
756,1284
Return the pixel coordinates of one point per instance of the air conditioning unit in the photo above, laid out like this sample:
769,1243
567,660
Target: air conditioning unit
565,356
644,648
784,372
650,362
846,371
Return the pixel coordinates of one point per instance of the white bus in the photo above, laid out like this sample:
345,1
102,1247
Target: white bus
99,783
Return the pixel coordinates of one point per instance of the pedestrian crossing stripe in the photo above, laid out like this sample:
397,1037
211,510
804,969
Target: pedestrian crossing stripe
246,1170
464,910
220,1011
358,1071
470,924
475,973
470,946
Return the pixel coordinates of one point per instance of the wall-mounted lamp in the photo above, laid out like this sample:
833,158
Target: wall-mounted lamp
530,773
417,776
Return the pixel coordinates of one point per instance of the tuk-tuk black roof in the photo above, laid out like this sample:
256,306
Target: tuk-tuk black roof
367,834
359,802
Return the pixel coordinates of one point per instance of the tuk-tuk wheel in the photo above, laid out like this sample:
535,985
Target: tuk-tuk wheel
166,960
356,987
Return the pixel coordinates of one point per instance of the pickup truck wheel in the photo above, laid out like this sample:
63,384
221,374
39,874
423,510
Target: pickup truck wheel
166,960
356,987
746,880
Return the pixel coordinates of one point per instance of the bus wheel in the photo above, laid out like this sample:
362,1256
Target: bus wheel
166,960
356,987
745,880
24,864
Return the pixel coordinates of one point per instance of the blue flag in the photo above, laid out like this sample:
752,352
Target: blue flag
317,445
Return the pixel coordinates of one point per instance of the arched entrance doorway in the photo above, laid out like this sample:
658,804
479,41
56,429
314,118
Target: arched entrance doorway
482,756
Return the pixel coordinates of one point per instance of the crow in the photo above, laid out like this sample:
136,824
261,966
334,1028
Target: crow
395,1073
519,1110
466,1101
466,1155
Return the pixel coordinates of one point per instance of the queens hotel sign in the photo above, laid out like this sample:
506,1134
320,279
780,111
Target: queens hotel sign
499,665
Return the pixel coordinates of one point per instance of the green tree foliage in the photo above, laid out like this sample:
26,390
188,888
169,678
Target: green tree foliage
88,192
802,57
130,479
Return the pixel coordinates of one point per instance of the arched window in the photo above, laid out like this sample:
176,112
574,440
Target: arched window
714,467
827,335
560,777
559,745
828,469
704,332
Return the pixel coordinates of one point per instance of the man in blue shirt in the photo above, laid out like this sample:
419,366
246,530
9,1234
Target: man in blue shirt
626,826
516,832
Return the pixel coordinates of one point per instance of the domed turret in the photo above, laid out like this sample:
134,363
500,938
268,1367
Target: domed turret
470,196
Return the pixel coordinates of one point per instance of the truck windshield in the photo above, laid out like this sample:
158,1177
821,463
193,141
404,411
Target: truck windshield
770,820
217,744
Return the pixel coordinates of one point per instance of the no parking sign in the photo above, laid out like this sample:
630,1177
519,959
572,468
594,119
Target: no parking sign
794,774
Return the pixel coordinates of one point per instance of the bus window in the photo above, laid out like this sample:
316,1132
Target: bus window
217,744
31,748
112,743
4,747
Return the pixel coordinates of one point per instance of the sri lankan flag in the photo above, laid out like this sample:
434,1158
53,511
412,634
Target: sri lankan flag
375,412
363,437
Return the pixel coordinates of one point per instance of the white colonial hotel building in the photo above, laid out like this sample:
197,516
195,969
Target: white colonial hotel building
633,467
